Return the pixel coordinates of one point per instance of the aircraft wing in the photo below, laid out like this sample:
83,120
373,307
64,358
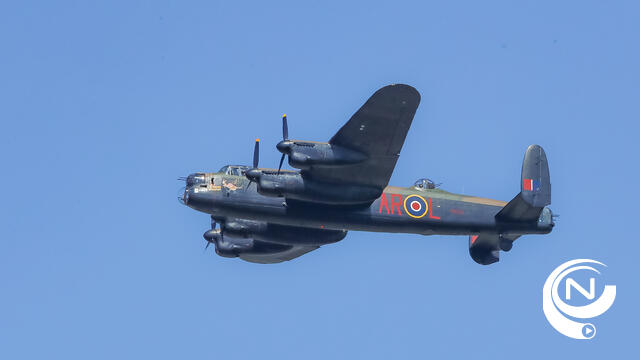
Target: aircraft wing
273,258
276,243
378,130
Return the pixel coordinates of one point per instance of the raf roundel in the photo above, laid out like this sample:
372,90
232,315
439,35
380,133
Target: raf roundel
415,206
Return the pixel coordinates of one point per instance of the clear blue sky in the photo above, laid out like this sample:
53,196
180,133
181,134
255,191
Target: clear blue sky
104,105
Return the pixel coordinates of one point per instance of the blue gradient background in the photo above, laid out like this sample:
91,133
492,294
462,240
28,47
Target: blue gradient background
105,104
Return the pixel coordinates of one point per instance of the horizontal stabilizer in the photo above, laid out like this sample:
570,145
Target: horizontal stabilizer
485,248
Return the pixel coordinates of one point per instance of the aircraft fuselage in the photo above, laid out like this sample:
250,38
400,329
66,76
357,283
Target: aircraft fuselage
397,210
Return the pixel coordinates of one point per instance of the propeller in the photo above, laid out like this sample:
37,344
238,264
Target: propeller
281,161
285,128
283,145
208,235
182,196
256,153
253,173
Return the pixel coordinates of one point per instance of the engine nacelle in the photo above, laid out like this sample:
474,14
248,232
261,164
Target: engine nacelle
304,154
225,246
294,186
243,229
232,247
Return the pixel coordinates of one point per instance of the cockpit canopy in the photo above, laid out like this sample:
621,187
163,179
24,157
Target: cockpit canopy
237,170
424,183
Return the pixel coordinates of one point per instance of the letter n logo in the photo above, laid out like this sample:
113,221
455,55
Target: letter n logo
591,294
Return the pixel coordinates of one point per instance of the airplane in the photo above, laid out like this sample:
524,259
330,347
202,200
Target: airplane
274,215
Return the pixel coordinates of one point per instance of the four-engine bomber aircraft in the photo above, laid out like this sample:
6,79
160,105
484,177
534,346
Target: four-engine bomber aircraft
270,216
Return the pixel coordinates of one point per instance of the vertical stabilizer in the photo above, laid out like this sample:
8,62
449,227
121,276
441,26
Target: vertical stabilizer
535,189
535,183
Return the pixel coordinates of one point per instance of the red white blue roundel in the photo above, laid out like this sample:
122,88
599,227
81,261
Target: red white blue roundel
415,206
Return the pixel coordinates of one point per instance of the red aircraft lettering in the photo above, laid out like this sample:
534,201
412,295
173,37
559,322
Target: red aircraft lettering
431,216
396,204
383,202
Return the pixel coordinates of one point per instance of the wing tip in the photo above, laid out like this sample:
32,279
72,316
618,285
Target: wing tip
405,91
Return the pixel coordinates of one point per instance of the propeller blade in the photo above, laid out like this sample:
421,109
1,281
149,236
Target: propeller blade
281,160
207,246
256,153
285,128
